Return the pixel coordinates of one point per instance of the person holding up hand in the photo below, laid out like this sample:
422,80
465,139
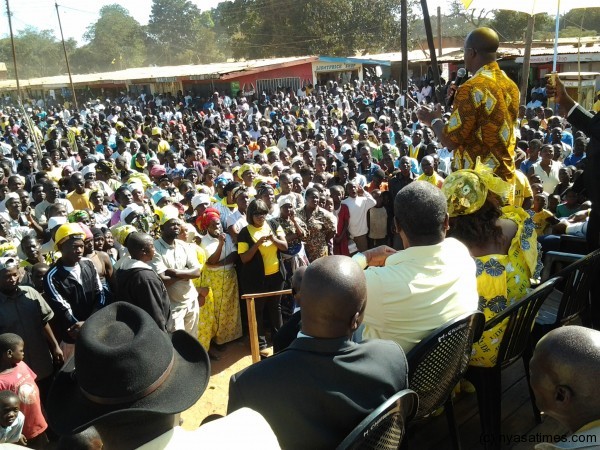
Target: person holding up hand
590,125
260,244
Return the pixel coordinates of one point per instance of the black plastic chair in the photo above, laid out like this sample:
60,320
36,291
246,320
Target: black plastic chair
515,341
384,428
571,298
439,362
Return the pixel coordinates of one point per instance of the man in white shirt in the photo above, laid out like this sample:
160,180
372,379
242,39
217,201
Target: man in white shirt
414,291
176,264
358,202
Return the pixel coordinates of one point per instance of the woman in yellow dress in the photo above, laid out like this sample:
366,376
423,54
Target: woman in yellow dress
502,241
220,318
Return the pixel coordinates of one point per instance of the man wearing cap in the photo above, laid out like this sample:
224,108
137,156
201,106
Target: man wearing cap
177,265
199,204
72,284
133,381
162,145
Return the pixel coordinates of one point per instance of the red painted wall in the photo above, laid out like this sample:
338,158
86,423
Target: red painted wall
302,71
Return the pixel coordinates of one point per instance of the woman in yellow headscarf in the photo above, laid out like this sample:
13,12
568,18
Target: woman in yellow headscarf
502,241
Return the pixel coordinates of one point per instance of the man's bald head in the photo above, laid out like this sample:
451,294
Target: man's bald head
483,40
138,245
297,283
563,370
334,293
481,46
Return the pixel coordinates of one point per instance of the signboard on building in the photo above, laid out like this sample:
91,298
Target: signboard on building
205,76
336,67
542,59
166,80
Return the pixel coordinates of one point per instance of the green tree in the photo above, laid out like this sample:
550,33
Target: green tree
267,28
512,25
115,41
576,32
180,34
39,53
588,19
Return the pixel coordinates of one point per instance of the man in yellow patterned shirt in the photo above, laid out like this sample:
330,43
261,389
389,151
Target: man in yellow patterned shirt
484,112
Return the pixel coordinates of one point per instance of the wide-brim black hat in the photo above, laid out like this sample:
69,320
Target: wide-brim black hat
125,365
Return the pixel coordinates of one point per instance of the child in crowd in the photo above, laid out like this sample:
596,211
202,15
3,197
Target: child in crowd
570,206
16,376
537,188
11,419
378,220
553,202
542,218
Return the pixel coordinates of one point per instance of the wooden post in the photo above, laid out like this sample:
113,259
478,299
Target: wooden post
252,325
526,59
404,47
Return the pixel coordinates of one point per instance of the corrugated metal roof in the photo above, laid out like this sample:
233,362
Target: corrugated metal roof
566,50
209,71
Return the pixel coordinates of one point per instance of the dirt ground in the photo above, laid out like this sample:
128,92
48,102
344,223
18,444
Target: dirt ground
234,358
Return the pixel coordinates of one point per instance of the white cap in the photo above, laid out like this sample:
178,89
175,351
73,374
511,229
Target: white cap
200,199
132,208
56,221
288,199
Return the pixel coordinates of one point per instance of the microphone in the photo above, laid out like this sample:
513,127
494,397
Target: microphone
461,77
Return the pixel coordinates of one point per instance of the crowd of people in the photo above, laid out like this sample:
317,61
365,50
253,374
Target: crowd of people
129,231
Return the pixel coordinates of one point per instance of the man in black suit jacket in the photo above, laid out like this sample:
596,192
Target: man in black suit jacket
590,125
318,389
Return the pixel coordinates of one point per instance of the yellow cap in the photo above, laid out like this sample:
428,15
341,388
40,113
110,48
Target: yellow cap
156,131
68,231
120,233
167,213
245,168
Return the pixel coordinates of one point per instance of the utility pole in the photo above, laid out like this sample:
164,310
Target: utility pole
14,54
404,45
62,37
439,30
434,65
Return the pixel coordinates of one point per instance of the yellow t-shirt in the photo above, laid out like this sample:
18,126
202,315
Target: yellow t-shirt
522,188
80,201
540,221
268,250
434,179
